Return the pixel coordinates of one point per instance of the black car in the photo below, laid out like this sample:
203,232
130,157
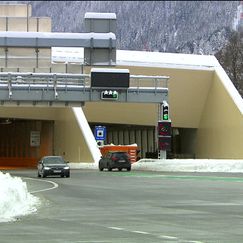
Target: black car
115,160
53,165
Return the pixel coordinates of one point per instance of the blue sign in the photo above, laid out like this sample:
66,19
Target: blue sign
100,133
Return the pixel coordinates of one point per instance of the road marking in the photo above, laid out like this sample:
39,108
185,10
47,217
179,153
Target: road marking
54,185
116,228
192,241
168,237
165,237
132,231
140,232
93,241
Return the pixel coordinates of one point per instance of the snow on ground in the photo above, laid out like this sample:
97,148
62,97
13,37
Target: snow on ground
190,165
15,200
178,165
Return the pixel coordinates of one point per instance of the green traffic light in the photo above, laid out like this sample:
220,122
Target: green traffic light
114,95
165,117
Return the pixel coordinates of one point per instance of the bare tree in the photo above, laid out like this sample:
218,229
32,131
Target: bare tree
231,59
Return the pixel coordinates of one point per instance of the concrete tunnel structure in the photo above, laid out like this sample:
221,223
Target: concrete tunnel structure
205,108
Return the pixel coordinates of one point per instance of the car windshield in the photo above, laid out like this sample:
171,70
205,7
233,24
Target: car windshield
53,160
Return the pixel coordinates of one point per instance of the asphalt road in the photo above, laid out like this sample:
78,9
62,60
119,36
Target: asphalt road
129,207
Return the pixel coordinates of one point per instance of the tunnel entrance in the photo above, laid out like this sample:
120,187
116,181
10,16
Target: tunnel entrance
23,142
125,134
183,141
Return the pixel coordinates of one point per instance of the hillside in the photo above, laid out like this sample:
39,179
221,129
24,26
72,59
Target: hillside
200,27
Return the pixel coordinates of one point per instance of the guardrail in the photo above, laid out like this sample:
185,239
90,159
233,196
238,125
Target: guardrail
67,87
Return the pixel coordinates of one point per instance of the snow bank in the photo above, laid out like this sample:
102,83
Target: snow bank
189,165
178,165
83,165
15,200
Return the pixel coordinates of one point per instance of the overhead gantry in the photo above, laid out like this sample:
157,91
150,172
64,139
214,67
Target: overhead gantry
65,89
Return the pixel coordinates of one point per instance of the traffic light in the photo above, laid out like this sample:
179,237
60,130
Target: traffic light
165,111
109,95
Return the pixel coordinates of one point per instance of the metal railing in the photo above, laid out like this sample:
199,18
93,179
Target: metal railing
46,81
74,87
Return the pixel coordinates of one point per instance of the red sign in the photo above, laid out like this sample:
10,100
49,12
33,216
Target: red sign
164,143
164,128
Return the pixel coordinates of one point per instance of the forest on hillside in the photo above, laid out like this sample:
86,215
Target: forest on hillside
200,27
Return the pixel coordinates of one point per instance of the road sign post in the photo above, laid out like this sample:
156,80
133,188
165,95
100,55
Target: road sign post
100,135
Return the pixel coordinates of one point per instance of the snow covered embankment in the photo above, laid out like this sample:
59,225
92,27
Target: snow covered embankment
190,165
15,200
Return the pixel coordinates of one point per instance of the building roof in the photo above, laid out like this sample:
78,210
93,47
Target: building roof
142,58
161,59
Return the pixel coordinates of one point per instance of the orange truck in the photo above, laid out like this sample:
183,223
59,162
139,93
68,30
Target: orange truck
132,150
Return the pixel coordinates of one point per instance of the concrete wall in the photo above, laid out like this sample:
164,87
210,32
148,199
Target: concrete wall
68,139
121,113
13,10
25,57
188,90
18,18
31,24
200,99
220,133
38,113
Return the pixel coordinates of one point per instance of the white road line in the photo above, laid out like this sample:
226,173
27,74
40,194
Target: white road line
141,232
116,228
165,237
134,231
93,241
54,185
168,237
195,241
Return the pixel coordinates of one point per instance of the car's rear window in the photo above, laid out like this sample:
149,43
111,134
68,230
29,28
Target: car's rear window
120,155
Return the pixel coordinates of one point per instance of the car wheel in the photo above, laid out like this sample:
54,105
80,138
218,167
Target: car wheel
62,175
129,169
109,168
101,168
68,175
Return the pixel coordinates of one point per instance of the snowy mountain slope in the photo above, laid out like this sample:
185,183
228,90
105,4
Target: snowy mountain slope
200,27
